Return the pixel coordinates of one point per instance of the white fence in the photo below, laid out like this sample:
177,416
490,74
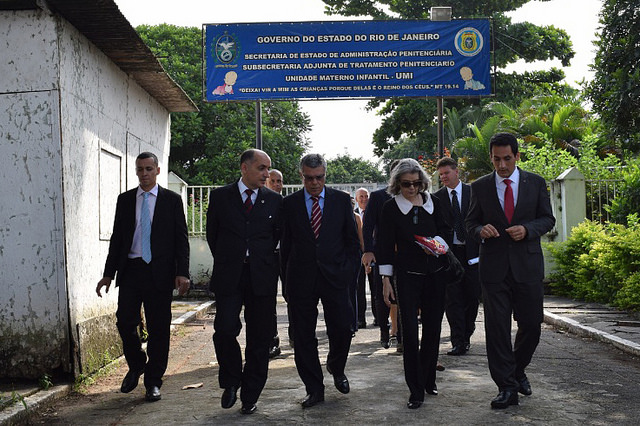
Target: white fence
198,201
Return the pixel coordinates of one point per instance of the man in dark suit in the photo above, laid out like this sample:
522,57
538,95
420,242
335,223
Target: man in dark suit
463,297
510,210
370,226
149,251
319,256
362,200
243,229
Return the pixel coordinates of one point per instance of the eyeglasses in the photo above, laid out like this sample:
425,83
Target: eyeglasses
407,184
312,178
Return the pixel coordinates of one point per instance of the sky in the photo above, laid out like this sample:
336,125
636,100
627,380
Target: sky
345,126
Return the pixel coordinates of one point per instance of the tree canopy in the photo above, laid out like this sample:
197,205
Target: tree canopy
413,118
615,89
346,169
206,145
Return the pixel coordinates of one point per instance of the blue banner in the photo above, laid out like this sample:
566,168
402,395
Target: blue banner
346,59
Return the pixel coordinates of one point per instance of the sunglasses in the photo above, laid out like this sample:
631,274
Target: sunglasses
312,178
407,184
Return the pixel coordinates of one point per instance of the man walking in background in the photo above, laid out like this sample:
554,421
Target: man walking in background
463,297
243,229
509,212
362,199
274,183
319,256
149,251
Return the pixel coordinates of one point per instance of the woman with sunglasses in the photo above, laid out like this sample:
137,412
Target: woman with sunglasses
419,289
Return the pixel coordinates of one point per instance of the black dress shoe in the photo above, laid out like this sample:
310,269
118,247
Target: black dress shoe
274,351
229,397
467,346
505,399
341,383
384,338
152,394
312,399
412,405
248,408
525,386
439,367
457,350
431,390
130,381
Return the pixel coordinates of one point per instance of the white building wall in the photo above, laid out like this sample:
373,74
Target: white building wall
33,308
107,120
71,125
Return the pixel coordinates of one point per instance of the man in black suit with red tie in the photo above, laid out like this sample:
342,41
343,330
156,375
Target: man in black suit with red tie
510,210
149,251
319,255
243,229
463,297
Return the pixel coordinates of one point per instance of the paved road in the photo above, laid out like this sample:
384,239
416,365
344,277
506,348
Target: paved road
575,381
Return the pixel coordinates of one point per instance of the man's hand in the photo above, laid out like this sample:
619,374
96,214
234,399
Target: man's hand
517,232
367,258
489,231
104,282
387,291
182,284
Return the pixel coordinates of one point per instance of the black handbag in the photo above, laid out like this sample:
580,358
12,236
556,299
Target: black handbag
453,272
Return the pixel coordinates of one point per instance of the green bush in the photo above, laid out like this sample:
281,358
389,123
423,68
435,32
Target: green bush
627,200
600,263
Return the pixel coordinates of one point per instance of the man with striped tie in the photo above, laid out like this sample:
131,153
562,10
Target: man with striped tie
319,256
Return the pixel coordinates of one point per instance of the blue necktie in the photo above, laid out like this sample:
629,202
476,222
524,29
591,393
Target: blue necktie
145,225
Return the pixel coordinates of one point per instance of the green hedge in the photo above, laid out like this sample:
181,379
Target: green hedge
600,263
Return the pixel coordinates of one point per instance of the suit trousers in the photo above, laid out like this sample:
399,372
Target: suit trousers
338,316
137,289
258,316
525,300
424,293
463,298
363,277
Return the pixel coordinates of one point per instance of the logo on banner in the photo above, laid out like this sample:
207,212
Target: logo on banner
469,41
226,48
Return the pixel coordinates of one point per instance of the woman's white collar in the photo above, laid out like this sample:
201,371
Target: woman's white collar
405,205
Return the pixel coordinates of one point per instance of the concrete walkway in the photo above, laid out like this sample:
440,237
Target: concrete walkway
378,392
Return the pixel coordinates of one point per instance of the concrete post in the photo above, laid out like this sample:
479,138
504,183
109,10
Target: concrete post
568,197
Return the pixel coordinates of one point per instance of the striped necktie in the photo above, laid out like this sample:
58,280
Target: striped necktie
316,216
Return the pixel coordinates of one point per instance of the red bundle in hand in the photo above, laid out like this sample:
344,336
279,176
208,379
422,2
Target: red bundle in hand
430,244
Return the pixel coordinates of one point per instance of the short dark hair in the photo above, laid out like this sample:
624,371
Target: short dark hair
447,161
148,154
312,161
504,139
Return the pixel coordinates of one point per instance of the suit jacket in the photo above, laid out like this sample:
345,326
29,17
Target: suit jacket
231,231
169,238
471,245
335,254
371,219
533,211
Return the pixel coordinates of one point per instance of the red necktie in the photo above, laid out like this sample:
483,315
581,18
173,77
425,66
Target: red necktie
316,216
508,200
247,203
